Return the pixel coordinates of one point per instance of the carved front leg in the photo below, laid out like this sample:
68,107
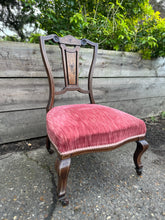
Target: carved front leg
62,167
142,146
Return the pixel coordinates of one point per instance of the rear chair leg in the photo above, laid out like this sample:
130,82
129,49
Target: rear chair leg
142,146
62,168
48,146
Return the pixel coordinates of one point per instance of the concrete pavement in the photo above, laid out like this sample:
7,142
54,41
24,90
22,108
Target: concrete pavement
100,186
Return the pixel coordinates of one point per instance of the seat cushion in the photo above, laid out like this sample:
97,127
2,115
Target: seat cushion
81,127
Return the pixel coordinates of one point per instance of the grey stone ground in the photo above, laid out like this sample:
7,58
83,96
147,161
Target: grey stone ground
100,186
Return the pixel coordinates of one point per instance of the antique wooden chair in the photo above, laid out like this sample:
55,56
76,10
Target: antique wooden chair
83,128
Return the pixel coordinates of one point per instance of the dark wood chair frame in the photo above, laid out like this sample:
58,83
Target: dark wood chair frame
70,58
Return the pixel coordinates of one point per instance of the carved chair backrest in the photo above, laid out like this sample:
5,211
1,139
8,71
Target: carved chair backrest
70,60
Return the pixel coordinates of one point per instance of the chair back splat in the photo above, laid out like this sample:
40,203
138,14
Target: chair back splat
84,128
70,59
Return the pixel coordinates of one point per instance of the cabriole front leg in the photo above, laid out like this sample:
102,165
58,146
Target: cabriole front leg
62,167
142,146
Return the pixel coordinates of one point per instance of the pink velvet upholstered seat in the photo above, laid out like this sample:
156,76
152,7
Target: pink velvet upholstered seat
80,127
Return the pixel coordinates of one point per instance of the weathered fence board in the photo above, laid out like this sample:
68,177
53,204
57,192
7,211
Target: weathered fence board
21,125
24,60
140,107
21,94
121,80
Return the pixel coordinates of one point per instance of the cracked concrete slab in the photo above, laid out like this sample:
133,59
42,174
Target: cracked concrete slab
25,187
100,186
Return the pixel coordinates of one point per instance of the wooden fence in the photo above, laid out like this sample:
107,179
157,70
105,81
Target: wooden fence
121,80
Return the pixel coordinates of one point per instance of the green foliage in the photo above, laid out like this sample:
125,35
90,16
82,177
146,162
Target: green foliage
163,115
153,118
151,34
122,25
11,38
34,38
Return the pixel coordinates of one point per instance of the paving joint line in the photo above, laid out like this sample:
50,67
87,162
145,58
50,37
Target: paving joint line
53,189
